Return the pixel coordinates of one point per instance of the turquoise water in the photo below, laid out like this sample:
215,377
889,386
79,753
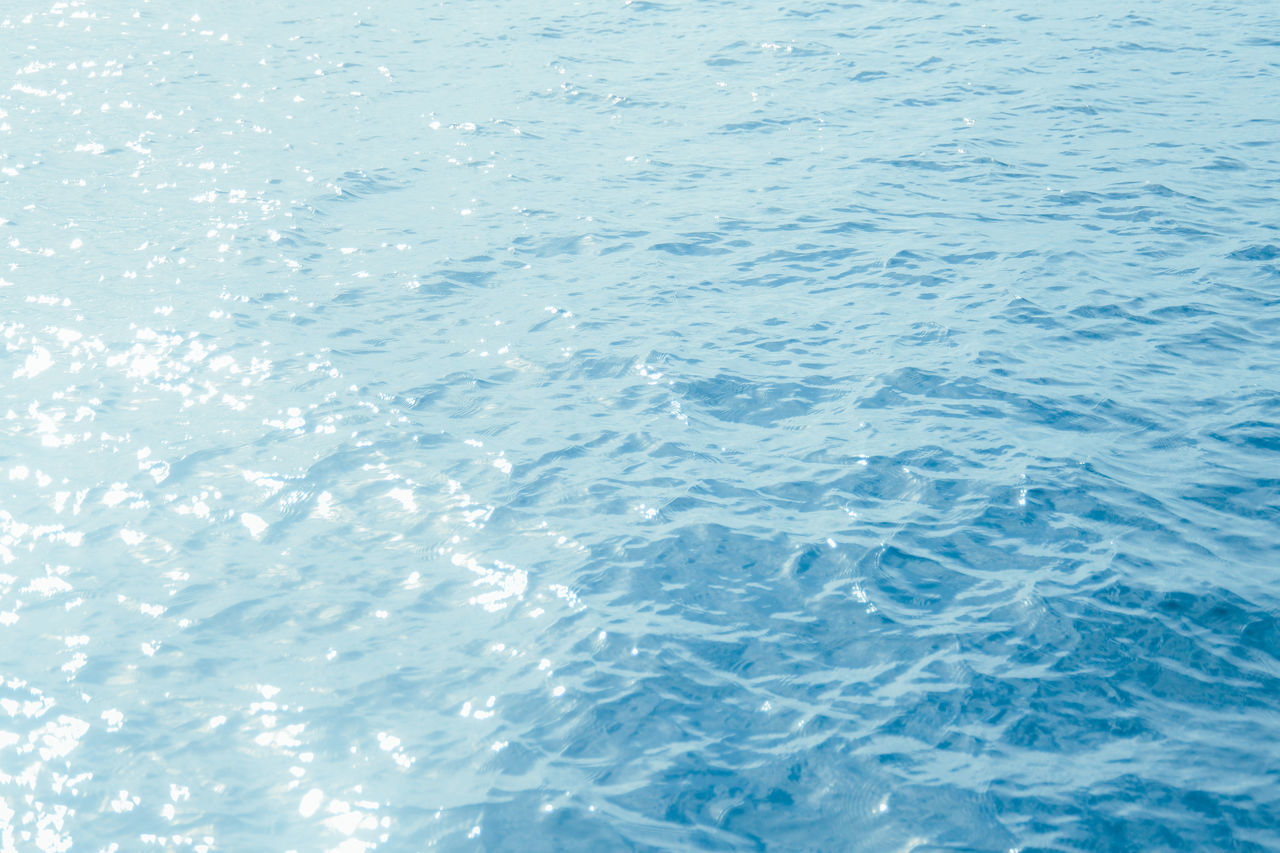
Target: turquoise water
639,426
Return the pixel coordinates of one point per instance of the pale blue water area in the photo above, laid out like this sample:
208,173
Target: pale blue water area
639,426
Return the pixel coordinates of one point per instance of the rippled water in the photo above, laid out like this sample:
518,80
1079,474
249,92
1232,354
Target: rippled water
639,426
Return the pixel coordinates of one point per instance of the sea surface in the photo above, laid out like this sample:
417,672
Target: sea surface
639,426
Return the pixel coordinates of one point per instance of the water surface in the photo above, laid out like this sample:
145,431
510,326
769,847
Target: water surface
639,426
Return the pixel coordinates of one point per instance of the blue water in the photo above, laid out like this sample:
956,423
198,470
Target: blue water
639,426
